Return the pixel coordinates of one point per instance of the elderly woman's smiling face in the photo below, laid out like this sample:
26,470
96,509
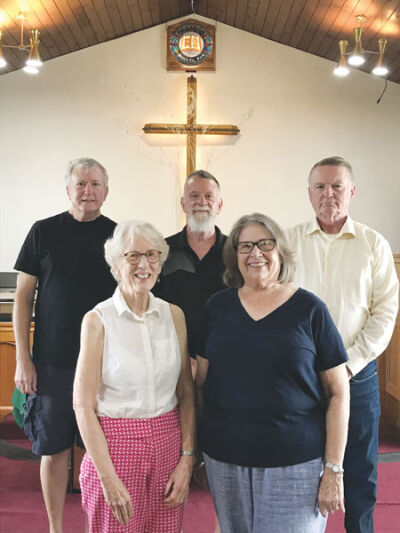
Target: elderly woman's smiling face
140,266
257,266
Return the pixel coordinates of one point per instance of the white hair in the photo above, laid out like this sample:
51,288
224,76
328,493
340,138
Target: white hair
123,236
87,163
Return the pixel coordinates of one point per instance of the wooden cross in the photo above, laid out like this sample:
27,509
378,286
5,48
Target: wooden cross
191,128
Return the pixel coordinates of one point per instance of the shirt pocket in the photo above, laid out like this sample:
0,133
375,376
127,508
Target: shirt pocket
166,359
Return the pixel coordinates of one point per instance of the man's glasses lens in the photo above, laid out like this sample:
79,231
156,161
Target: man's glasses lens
265,245
152,256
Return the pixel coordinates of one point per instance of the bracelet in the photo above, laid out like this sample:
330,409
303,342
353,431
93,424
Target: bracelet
189,453
335,468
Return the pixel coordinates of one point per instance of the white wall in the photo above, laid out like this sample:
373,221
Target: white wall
290,108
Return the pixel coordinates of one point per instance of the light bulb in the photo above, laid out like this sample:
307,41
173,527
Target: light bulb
380,71
341,71
356,60
33,63
30,70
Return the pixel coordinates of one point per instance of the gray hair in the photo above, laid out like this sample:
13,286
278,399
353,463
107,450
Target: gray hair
123,236
87,163
204,175
334,161
232,275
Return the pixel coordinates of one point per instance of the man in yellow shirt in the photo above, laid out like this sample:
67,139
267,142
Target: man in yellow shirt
350,267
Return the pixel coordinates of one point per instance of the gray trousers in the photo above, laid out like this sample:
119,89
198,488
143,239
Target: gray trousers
266,500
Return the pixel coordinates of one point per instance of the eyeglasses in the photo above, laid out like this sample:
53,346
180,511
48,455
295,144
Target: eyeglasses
134,258
265,245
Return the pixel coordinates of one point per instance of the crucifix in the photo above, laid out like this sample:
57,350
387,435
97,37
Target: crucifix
191,129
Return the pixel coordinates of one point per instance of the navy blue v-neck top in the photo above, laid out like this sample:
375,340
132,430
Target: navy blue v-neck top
263,400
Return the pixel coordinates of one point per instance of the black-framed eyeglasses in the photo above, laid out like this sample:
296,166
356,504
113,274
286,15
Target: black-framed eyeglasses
265,245
134,258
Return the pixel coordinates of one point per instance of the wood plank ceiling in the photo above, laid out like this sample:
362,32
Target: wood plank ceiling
314,26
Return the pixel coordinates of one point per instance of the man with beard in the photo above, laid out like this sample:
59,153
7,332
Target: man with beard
194,268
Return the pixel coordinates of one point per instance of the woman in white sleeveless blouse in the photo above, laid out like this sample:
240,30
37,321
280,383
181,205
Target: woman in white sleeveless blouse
133,396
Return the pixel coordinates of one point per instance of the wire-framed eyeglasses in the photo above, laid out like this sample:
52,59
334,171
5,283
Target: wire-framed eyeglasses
134,258
265,245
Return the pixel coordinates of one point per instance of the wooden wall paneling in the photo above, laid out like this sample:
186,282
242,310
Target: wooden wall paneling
125,16
326,31
212,8
271,18
155,12
185,8
58,21
393,352
250,14
230,13
83,21
395,74
304,23
389,380
94,20
285,11
71,22
200,7
259,17
14,58
240,14
389,423
296,17
166,10
145,12
105,19
112,11
222,8
50,34
315,25
136,14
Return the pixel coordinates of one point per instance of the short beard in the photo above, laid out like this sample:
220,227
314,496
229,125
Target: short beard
200,226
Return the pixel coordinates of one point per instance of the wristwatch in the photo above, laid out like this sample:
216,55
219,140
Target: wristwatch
335,468
189,453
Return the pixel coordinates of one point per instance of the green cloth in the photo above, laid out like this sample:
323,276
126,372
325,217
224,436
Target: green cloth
18,399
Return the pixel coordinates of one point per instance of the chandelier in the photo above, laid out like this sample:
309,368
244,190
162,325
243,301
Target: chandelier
33,62
356,58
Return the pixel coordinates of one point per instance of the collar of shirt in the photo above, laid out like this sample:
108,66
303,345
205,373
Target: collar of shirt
180,239
348,228
122,307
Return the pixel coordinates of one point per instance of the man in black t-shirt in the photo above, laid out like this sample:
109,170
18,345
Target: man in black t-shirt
64,257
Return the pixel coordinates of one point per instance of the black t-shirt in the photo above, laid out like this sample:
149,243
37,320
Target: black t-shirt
264,404
188,281
67,257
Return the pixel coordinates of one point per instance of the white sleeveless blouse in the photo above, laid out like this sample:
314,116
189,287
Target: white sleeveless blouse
141,360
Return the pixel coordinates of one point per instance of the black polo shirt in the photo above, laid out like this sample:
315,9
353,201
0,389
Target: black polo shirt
188,282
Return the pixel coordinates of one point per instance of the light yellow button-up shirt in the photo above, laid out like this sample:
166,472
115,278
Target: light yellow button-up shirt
353,273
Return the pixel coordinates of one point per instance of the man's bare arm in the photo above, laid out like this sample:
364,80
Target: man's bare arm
25,374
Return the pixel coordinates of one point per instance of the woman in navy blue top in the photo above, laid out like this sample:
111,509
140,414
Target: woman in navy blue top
273,392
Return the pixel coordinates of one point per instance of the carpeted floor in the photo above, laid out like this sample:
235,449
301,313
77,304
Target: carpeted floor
22,509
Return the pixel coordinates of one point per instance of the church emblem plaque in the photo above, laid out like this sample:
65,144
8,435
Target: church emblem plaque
191,46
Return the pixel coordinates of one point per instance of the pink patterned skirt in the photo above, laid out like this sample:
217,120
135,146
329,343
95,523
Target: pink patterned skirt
144,453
